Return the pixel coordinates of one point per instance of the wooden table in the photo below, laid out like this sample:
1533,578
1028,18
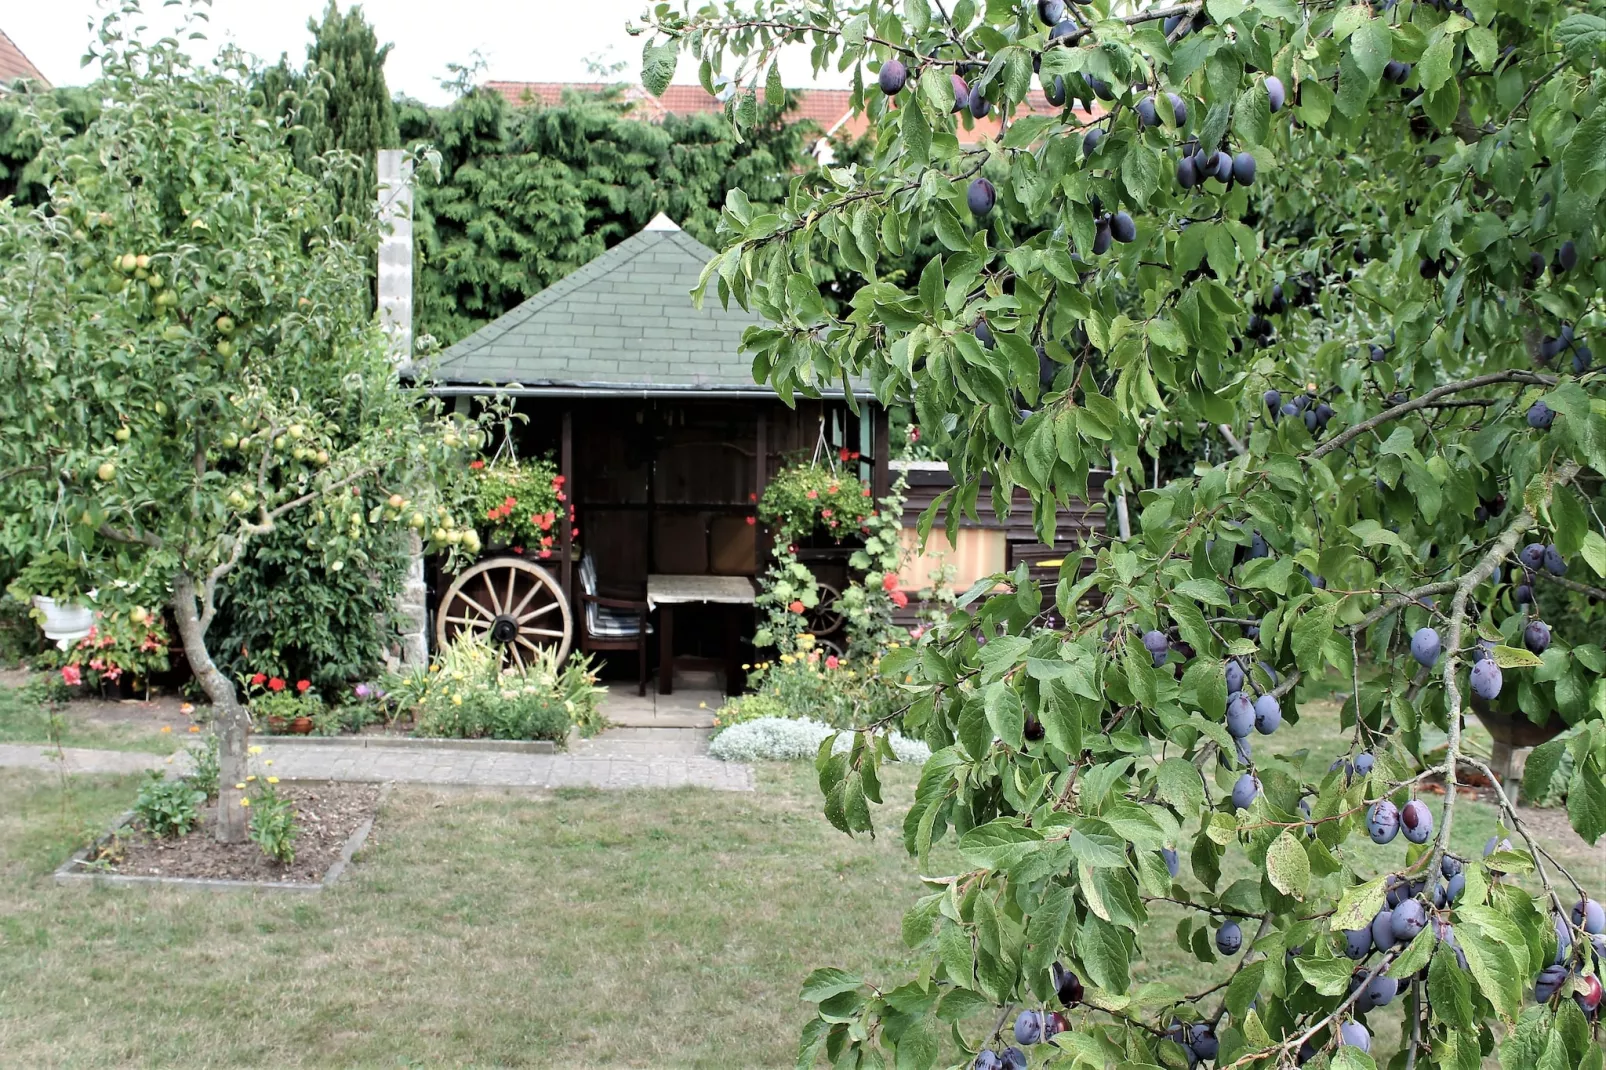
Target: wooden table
665,592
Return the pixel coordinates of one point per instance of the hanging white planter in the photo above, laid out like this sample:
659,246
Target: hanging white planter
67,623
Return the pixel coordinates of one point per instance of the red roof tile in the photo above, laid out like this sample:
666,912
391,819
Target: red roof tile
829,109
14,65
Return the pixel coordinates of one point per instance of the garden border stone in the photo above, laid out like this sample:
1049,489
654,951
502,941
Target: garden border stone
514,746
70,873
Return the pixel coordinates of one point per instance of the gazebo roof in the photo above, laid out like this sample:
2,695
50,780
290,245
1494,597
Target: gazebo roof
622,324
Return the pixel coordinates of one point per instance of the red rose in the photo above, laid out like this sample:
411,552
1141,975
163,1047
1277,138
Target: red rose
302,685
900,599
275,684
796,607
889,582
259,679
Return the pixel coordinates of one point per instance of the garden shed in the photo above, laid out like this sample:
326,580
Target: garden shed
650,413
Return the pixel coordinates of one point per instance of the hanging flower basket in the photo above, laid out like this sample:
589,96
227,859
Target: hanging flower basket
813,502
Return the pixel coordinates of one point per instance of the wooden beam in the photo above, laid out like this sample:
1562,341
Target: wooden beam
881,448
566,529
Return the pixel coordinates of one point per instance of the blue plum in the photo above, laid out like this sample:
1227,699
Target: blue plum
1383,821
1268,715
1245,791
1229,938
1416,821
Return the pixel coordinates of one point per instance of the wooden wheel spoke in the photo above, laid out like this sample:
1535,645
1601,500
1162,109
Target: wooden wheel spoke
512,577
533,648
535,588
490,593
514,650
543,611
541,631
467,622
481,610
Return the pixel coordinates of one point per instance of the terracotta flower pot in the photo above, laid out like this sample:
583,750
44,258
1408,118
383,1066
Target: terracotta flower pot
277,725
301,726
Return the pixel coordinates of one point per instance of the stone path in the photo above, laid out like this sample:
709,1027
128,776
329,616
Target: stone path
657,742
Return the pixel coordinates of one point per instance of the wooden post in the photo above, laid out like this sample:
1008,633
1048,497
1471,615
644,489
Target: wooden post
881,447
566,534
761,473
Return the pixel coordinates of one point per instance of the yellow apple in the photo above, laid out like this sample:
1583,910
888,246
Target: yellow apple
416,522
106,471
138,615
296,430
225,324
322,457
225,349
396,501
122,434
142,261
128,262
230,440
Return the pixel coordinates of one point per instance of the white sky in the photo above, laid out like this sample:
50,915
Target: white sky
519,40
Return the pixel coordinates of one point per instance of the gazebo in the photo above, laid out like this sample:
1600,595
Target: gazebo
664,440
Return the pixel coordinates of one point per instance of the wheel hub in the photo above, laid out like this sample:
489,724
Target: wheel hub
504,629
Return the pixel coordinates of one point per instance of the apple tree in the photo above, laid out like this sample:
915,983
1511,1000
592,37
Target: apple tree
1343,263
188,358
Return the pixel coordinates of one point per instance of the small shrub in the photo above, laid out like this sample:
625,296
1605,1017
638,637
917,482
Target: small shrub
273,822
204,757
744,708
784,739
464,695
168,807
843,692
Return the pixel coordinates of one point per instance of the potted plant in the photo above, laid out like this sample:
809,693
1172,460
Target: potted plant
810,498
60,589
121,648
282,709
519,506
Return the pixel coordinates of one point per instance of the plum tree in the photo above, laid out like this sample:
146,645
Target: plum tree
1483,148
186,300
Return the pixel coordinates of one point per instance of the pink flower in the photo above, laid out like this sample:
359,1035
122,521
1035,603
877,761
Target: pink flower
831,662
546,553
900,599
811,495
752,520
889,582
796,607
71,675
825,513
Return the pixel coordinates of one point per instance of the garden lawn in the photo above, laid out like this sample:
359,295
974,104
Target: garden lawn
135,726
657,929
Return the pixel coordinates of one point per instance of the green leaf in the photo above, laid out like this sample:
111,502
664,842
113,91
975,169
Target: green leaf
1179,785
1416,954
917,1047
1434,68
1251,117
916,134
1584,161
658,66
824,983
1371,46
1348,1058
1140,171
1358,906
1582,37
1543,761
1103,952
1311,632
1586,802
1514,657
1449,989
1005,714
1593,551
999,844
1287,865
1328,976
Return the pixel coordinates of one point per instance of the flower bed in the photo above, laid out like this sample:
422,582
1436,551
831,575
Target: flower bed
842,692
464,694
797,739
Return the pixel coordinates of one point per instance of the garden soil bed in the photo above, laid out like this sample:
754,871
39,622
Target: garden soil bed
327,816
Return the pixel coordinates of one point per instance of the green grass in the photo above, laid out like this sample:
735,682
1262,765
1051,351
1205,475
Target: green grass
23,719
654,928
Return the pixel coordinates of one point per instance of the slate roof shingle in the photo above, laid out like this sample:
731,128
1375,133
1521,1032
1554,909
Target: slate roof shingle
622,323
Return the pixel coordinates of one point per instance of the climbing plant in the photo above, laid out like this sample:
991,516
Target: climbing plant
1360,245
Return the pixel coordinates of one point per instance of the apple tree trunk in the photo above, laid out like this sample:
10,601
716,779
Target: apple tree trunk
232,721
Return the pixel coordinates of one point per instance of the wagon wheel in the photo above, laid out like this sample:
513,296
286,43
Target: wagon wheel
510,602
826,616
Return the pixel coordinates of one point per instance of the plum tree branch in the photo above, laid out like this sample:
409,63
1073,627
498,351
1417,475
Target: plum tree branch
1521,828
1424,401
1497,552
1295,1042
1574,585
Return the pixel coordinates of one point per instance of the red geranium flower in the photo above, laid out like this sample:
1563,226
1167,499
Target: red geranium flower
518,549
833,490
752,497
546,540
71,676
843,454
866,492
752,520
854,455
476,465
302,685
825,513
796,607
545,522
546,553
831,662
574,533
275,684
259,679
900,599
811,495
558,481
889,582
509,502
